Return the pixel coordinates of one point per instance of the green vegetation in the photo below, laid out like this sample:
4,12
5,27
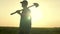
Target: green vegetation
14,30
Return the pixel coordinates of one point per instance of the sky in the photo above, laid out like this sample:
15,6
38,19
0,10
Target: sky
49,11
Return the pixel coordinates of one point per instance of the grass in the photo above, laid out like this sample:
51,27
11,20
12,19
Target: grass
14,30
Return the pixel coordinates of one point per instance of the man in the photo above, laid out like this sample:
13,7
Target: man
25,23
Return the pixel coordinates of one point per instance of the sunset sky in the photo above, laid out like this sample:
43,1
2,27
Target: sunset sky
46,15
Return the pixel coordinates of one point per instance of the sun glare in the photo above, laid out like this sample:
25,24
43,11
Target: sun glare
36,14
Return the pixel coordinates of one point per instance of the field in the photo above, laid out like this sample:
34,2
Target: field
14,30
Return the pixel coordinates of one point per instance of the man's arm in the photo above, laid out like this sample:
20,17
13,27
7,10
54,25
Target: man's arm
18,11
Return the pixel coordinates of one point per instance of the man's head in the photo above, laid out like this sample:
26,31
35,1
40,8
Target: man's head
24,3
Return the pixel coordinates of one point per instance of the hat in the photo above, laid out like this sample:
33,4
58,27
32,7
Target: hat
24,2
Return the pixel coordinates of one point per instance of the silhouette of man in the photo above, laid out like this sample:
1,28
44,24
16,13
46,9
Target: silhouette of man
25,23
